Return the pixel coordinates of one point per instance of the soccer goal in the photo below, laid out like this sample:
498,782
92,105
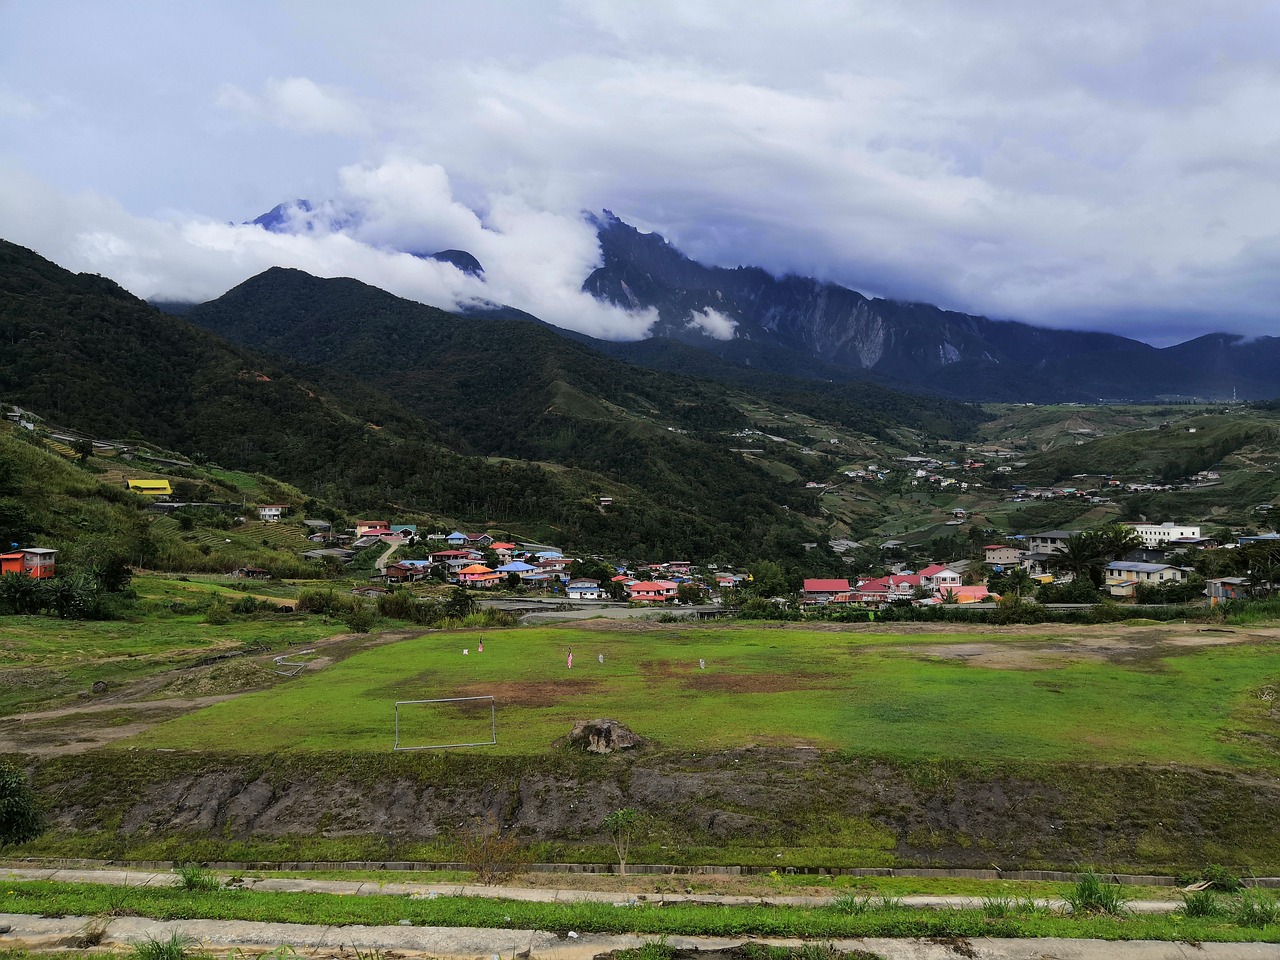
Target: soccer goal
445,722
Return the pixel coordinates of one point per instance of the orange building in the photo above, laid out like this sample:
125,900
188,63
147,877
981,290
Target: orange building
36,562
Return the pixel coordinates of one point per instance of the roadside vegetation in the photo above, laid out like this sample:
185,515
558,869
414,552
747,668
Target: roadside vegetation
1250,916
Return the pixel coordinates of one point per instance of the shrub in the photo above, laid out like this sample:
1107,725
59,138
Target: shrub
20,816
192,876
1200,903
493,858
360,618
179,946
1255,908
217,612
328,602
1220,878
245,606
1091,894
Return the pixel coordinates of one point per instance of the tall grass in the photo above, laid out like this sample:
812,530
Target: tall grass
1091,894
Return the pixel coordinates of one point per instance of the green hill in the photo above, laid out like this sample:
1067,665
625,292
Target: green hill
1168,453
87,355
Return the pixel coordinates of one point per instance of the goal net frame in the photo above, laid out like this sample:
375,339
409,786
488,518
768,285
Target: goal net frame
493,724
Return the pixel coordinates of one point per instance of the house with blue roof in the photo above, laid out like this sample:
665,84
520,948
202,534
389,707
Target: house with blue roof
1124,576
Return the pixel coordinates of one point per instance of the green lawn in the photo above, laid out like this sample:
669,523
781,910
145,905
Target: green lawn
857,692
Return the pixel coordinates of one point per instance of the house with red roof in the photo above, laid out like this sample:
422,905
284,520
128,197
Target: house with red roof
975,593
817,590
938,577
883,589
445,556
375,527
652,591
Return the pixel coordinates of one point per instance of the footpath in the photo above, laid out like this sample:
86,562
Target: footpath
45,933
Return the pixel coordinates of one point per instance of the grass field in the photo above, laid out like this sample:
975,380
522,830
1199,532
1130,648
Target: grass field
1143,696
44,661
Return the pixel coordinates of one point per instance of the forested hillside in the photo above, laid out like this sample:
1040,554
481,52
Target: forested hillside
86,354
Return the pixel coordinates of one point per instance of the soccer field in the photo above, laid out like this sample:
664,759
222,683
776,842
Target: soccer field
1111,694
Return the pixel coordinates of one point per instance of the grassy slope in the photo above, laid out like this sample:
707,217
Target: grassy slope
868,693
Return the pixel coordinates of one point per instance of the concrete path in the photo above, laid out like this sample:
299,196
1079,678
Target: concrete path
44,933
144,878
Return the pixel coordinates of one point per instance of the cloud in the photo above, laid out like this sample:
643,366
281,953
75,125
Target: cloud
1093,164
713,323
301,105
533,260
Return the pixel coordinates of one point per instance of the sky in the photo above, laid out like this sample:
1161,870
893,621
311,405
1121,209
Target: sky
1102,164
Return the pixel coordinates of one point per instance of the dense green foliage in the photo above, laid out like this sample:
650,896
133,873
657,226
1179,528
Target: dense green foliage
20,816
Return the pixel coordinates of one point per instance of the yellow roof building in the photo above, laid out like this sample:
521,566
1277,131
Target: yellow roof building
155,488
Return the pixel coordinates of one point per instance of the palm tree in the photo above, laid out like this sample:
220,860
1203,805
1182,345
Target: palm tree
1017,581
1117,541
1083,556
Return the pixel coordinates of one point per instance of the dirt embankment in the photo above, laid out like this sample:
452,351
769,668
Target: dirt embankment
844,811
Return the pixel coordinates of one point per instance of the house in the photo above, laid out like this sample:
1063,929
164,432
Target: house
478,575
1226,588
586,590
321,526
252,573
446,556
1051,541
403,572
372,591
518,567
272,512
407,531
682,567
975,593
1154,534
1001,555
652,591
456,539
504,551
818,590
38,563
884,589
375,527
938,577
150,488
1124,576
1038,563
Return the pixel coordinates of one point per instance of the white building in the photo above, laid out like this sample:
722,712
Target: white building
1154,534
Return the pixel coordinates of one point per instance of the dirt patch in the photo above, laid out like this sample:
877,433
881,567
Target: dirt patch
531,693
1136,648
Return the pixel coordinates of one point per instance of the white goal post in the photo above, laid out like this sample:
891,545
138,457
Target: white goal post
493,724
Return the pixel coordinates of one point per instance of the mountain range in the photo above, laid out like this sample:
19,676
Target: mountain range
745,317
